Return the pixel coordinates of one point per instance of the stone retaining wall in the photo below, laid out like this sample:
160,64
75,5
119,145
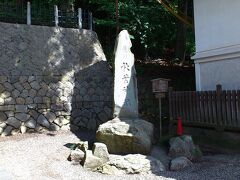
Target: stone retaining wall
52,78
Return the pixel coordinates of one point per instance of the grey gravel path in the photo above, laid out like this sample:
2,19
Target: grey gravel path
43,157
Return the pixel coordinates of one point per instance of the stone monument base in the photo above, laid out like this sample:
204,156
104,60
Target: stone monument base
126,136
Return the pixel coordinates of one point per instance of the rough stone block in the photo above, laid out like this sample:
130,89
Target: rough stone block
90,161
83,145
9,101
3,79
13,79
46,100
22,116
20,100
60,121
38,100
32,93
21,108
31,123
2,89
27,86
65,127
54,127
42,106
41,92
1,101
7,131
126,135
92,124
24,93
50,116
15,93
12,121
32,106
73,128
3,117
76,113
29,100
76,156
35,85
43,121
15,132
31,79
184,146
18,86
34,113
180,163
103,117
23,129
132,164
23,79
9,113
8,86
100,150
6,94
3,125
57,107
67,107
7,108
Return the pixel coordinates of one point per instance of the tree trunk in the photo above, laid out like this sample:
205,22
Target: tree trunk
117,17
66,6
81,4
181,32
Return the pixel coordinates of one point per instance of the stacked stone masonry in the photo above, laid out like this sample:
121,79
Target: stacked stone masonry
52,78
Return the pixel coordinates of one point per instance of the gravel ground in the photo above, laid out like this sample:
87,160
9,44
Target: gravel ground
43,157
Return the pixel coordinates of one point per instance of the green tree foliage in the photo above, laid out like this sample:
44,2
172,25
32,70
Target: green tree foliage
153,29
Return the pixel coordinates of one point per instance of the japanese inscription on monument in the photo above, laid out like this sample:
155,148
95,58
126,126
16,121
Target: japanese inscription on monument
125,82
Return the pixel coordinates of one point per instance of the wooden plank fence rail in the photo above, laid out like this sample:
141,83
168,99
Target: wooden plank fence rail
218,109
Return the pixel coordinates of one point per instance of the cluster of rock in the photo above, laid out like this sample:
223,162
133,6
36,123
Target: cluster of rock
87,158
181,154
57,79
99,160
182,151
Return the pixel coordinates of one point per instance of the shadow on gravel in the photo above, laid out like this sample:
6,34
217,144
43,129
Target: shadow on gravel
83,135
51,134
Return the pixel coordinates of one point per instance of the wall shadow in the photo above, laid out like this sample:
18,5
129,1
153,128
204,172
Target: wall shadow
92,100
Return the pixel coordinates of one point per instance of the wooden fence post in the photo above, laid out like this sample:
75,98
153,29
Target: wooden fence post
80,18
170,90
56,15
28,13
90,21
219,105
160,116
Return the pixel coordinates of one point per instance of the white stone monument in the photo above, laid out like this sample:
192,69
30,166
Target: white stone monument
125,81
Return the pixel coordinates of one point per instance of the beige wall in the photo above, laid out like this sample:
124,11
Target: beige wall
217,32
216,23
224,72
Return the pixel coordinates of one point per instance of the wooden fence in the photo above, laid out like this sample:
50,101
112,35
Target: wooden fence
218,109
